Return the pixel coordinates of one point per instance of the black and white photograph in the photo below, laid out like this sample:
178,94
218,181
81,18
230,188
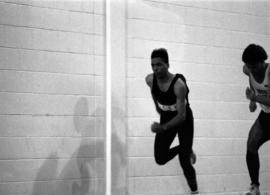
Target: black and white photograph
134,97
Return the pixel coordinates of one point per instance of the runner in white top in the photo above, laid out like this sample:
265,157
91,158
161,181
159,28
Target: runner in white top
257,70
262,89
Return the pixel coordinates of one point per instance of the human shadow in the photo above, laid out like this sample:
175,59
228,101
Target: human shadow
83,172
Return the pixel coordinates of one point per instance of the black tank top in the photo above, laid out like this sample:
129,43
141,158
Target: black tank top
166,101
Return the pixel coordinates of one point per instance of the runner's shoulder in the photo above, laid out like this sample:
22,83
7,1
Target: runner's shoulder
180,87
149,79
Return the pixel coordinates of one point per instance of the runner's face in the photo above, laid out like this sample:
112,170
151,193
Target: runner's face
255,68
159,67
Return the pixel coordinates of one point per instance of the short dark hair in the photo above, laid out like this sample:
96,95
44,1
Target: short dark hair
254,54
160,53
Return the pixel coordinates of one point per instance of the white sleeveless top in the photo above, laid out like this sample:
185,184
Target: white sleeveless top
262,89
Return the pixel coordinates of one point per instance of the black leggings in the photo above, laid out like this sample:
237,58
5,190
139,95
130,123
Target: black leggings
163,152
258,135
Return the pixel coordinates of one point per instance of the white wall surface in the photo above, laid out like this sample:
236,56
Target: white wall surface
51,97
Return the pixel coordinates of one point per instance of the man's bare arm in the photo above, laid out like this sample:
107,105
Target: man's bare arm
180,92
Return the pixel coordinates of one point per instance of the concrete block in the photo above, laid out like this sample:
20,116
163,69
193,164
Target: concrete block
99,85
99,65
137,88
99,45
47,83
28,148
216,92
42,104
223,110
99,7
44,61
158,185
210,128
141,107
140,147
156,31
99,25
153,11
46,126
139,67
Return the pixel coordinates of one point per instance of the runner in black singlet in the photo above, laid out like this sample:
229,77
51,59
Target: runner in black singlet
170,95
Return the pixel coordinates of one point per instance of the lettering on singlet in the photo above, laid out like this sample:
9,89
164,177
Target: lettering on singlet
167,107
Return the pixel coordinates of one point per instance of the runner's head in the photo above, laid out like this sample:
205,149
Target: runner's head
254,56
160,62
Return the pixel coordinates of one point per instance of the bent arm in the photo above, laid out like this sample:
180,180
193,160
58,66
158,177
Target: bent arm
265,100
180,92
251,87
262,100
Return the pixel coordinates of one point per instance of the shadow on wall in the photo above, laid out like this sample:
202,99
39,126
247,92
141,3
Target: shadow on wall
118,149
84,172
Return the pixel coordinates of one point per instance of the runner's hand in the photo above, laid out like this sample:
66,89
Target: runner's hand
250,94
252,106
156,127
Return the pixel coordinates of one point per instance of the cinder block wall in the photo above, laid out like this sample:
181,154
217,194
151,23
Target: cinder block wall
51,97
205,41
